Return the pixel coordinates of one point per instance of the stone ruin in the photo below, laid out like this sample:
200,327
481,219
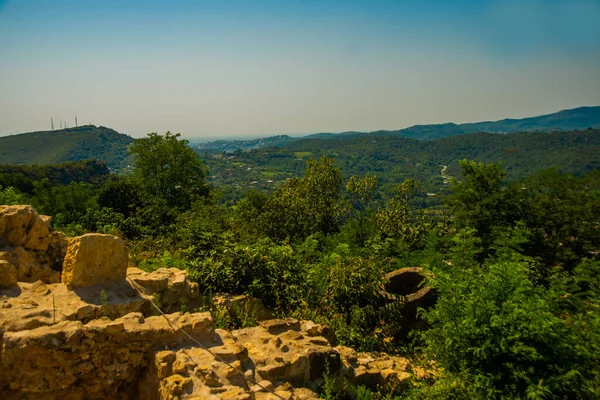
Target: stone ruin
76,322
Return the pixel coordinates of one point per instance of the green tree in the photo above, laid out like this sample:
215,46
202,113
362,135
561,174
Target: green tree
398,222
122,194
305,206
8,196
563,215
483,203
168,168
362,190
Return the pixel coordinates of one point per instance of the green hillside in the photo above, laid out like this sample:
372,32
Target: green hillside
72,144
396,158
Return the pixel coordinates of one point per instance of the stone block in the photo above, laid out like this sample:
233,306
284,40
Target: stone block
94,258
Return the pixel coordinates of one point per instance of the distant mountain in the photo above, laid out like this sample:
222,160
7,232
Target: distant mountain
566,120
72,144
562,121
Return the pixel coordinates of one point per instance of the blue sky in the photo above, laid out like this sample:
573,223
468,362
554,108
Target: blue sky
234,68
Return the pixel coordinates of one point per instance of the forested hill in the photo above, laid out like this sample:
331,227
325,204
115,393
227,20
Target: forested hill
72,144
395,158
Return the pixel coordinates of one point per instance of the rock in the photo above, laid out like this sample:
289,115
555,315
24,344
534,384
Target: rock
22,226
28,242
320,330
137,357
30,266
243,306
8,274
171,286
101,359
30,305
374,369
94,258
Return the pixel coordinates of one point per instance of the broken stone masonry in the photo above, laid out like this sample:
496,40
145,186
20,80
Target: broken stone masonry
76,322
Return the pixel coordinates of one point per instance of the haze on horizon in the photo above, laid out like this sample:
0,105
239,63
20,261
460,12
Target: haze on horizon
236,68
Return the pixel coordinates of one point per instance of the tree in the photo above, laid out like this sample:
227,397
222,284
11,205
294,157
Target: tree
305,206
169,169
122,194
563,215
362,190
397,221
483,203
8,196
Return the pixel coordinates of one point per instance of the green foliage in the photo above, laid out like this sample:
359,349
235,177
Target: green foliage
400,227
122,194
247,212
328,388
67,204
305,206
481,202
8,196
395,159
264,270
362,191
168,168
202,229
355,281
163,260
497,330
562,214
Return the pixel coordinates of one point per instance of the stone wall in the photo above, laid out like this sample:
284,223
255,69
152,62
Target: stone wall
77,323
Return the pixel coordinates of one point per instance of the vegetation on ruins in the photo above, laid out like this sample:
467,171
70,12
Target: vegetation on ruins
513,259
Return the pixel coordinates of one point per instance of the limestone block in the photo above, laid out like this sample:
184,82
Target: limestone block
8,275
22,226
94,258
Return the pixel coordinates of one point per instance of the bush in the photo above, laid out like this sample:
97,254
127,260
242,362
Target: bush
497,330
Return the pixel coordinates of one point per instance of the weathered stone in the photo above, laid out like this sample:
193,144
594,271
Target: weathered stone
320,330
8,274
21,226
104,357
276,326
405,286
170,285
243,306
31,305
101,366
28,242
94,258
77,344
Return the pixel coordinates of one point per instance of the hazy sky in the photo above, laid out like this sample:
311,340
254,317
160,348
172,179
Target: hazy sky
231,68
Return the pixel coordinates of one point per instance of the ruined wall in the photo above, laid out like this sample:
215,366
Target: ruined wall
95,335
